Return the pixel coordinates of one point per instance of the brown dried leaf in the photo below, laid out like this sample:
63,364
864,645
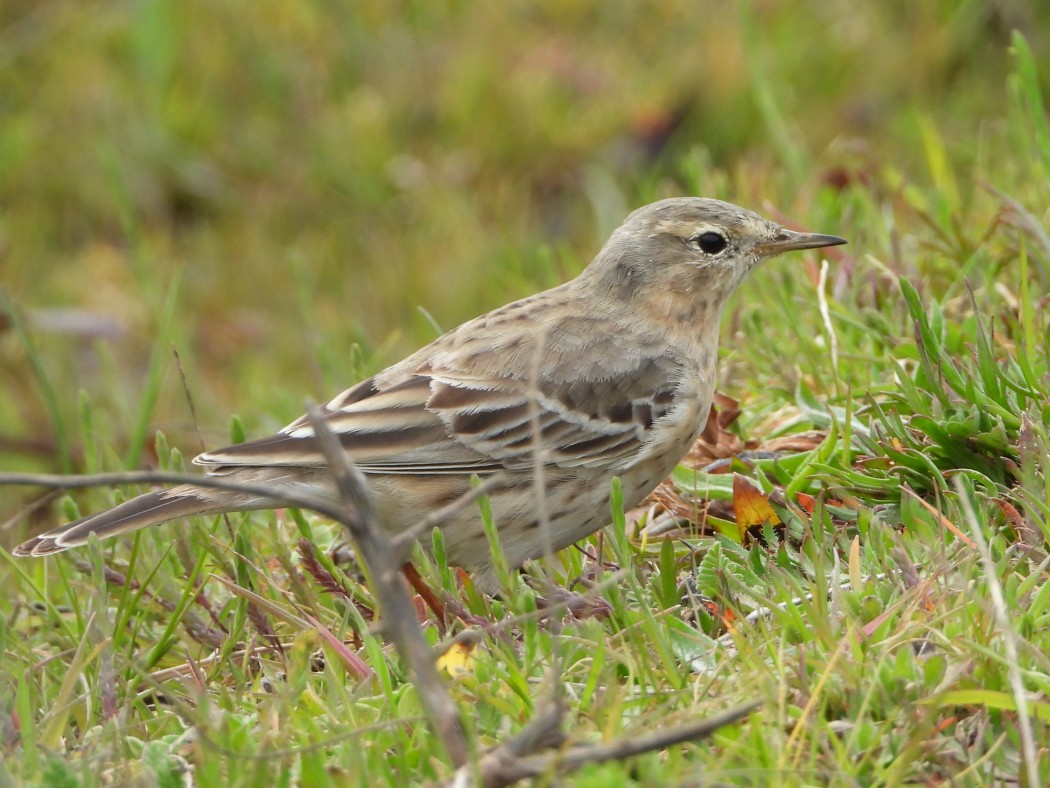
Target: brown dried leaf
716,442
795,443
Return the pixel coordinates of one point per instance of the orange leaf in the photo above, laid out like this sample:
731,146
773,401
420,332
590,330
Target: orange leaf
750,506
807,502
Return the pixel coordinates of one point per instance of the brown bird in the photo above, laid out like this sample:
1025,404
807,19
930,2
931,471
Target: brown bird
616,370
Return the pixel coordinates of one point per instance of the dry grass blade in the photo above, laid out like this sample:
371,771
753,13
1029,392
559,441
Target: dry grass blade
357,666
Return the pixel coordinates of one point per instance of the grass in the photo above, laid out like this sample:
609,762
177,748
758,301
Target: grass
274,190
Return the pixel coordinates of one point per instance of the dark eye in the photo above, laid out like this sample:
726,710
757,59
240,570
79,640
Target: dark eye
711,242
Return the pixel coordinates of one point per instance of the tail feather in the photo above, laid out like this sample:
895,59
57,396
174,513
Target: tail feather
141,512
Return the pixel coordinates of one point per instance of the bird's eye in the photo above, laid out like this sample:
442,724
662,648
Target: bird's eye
711,242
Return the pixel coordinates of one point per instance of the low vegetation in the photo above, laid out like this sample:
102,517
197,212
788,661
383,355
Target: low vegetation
215,208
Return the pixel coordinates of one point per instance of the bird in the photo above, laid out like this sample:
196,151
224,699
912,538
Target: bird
610,374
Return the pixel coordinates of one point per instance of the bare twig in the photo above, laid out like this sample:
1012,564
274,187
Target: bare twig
513,760
399,619
501,765
497,628
189,397
355,512
509,762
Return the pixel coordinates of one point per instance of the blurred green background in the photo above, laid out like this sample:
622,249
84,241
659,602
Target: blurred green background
275,189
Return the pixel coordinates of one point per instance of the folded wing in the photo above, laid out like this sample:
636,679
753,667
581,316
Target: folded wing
444,417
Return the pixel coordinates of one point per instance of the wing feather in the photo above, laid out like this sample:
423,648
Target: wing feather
424,417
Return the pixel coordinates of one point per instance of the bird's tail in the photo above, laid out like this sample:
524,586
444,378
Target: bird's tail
145,510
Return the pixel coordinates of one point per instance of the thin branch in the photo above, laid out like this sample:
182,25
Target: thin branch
356,513
511,761
508,763
496,628
399,618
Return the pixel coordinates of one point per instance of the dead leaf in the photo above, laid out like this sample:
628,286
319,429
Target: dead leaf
716,442
750,506
796,443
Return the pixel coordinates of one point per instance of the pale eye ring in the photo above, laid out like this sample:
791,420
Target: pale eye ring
711,242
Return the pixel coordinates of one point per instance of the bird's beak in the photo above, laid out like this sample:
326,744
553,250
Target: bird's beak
789,240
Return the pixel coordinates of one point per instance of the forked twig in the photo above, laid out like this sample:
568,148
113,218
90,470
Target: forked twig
513,760
517,758
399,618
355,512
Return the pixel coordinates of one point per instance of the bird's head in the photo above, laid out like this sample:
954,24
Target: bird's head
691,245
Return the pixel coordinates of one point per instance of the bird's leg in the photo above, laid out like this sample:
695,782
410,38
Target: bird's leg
421,588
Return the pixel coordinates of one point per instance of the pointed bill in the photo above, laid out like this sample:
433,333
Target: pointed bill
789,241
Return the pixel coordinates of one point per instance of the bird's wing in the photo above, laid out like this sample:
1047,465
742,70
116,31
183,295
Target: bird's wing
453,408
